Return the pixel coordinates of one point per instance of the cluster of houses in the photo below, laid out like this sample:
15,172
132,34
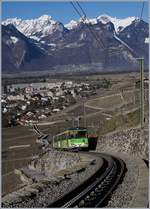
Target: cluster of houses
25,103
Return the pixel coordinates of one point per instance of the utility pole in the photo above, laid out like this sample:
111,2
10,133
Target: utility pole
78,119
73,120
141,64
84,114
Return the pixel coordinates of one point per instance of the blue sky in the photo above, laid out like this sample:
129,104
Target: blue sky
64,12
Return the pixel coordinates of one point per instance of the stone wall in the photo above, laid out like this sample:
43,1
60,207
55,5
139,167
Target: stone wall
53,161
132,141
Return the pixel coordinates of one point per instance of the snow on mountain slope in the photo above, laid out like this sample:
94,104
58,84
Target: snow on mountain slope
146,40
118,23
122,42
14,39
35,28
45,25
72,24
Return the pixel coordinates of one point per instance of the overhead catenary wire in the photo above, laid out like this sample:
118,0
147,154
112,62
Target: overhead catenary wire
100,43
92,31
134,53
138,22
142,10
76,9
141,63
81,8
140,15
95,35
90,26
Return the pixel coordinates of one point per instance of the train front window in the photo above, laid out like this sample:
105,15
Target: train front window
81,134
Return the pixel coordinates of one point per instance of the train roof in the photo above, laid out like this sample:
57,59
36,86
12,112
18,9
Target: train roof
77,129
72,129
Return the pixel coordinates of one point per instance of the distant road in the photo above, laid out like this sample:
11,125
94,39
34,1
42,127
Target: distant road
19,146
17,159
50,123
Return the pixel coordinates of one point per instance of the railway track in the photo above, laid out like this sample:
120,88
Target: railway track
96,191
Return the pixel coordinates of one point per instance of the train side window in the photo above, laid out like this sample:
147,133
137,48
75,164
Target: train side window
71,136
81,134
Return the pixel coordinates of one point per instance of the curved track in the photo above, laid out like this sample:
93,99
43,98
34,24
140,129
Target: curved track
96,191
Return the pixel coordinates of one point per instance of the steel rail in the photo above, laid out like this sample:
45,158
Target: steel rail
89,188
97,191
63,199
111,189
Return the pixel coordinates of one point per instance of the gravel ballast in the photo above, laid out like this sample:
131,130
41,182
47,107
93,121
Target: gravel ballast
122,196
131,146
42,194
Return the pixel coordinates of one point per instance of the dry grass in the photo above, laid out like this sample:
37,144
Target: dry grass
106,102
24,135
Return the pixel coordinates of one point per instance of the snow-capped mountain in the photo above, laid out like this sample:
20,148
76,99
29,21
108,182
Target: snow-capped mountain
36,28
119,24
121,41
44,26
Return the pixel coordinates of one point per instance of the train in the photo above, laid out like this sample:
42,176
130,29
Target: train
76,138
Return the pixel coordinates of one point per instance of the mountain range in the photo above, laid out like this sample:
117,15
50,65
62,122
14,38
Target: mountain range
102,44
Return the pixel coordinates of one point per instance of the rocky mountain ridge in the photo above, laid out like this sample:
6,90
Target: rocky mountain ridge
46,44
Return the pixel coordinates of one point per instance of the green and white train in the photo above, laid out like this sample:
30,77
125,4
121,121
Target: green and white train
75,138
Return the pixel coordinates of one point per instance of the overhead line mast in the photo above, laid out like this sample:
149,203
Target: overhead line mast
141,65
